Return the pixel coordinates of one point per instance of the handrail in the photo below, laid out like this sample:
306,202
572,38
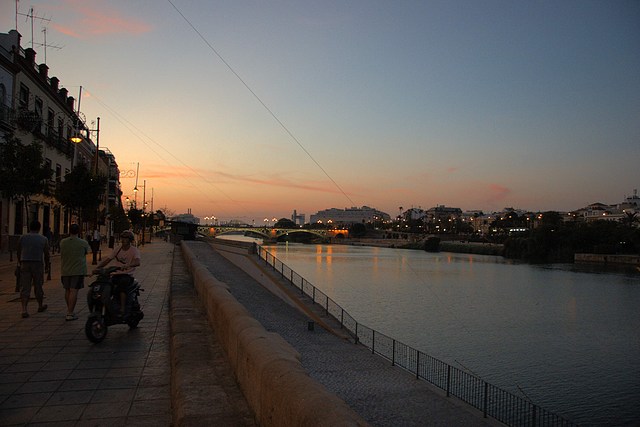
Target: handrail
493,401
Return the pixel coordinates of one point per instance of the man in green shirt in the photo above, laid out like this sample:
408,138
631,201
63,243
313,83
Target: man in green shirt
73,267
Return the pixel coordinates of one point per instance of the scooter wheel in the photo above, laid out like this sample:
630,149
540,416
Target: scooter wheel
95,329
134,320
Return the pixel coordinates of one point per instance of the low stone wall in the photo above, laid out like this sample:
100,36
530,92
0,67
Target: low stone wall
608,259
266,367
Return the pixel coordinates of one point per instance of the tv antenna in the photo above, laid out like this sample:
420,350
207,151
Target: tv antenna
32,17
45,45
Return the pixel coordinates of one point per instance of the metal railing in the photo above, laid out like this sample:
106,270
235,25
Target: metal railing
493,401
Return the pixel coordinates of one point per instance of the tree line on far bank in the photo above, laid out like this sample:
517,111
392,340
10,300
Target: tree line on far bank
558,241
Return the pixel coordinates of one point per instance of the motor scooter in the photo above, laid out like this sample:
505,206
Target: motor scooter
104,305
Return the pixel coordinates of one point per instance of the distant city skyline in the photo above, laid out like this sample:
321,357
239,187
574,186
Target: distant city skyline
253,109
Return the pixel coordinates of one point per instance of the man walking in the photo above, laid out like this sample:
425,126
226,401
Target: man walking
33,255
73,267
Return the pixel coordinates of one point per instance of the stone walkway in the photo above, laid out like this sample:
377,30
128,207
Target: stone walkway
50,374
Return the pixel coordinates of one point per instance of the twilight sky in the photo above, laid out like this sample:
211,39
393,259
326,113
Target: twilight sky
251,109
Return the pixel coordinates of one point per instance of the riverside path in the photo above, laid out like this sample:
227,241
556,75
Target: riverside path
50,374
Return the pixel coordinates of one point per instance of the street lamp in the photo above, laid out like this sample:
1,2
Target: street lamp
144,206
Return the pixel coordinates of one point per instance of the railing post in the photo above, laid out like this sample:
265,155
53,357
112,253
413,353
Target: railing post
326,306
486,397
533,420
393,353
373,341
341,317
357,339
418,365
314,294
448,379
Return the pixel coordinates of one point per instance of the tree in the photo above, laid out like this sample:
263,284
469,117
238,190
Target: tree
82,192
119,217
357,230
23,172
285,223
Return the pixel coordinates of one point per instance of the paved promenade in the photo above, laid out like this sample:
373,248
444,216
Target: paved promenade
50,374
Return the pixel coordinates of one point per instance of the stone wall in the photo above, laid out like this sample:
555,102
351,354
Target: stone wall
266,367
608,259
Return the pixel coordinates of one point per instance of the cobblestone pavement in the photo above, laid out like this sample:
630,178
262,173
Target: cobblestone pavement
382,394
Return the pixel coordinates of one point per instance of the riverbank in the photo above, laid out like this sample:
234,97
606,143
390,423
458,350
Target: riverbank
444,246
608,259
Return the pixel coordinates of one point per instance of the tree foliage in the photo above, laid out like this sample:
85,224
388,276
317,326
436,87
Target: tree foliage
357,230
556,241
23,172
82,192
285,223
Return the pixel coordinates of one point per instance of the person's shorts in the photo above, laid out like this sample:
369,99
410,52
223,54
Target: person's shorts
72,282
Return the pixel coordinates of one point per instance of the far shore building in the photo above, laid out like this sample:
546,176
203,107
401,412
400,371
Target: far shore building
348,216
186,217
298,219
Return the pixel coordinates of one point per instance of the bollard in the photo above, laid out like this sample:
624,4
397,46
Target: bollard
310,325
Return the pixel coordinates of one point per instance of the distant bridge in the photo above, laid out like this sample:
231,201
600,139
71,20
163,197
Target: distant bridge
270,234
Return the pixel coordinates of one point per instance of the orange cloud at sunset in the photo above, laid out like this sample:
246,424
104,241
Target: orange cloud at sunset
497,193
99,21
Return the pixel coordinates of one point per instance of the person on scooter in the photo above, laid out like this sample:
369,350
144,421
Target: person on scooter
127,257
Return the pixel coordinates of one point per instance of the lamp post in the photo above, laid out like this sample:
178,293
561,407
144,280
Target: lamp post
144,206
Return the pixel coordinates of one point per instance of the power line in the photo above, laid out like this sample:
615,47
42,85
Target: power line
266,107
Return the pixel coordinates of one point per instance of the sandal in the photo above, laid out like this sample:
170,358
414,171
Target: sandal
71,316
43,308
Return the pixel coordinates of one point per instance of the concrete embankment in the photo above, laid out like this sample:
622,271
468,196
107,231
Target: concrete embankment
267,368
608,259
472,248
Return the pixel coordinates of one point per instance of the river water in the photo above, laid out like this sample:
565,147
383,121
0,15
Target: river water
563,336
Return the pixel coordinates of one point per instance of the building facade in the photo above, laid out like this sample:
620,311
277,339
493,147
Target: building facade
347,216
35,108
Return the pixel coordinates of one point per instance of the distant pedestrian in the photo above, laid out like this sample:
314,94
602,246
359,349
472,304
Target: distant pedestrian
33,256
95,245
73,267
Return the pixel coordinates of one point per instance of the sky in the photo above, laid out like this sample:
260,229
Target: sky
253,109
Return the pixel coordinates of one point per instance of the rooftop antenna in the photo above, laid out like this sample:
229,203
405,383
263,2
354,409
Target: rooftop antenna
45,45
31,16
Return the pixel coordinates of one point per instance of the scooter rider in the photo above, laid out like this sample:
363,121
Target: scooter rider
127,257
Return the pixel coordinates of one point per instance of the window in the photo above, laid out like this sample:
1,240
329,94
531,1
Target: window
38,107
23,100
50,122
60,127
38,112
58,173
